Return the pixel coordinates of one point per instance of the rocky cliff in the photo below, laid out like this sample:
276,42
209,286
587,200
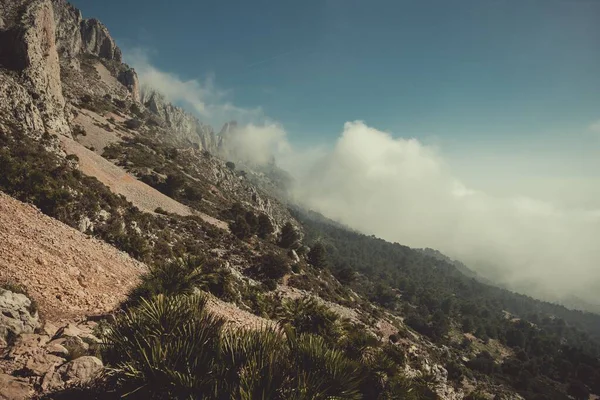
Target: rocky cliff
183,125
39,39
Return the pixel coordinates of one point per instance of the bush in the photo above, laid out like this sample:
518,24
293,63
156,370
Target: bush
240,228
316,256
290,237
307,315
265,226
173,348
133,124
271,266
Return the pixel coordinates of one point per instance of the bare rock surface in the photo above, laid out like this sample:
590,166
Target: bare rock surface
13,388
16,316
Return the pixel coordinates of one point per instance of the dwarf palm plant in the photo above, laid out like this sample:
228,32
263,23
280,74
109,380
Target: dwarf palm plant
167,347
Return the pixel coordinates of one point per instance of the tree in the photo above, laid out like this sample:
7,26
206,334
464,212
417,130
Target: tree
265,226
290,237
272,266
173,185
230,165
240,228
317,256
252,221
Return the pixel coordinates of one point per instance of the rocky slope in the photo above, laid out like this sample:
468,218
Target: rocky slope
66,272
61,74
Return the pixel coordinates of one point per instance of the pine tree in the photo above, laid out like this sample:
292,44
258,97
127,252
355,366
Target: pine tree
317,256
290,237
265,227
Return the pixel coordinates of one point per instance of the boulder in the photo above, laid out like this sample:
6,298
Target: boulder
16,316
13,388
77,372
75,346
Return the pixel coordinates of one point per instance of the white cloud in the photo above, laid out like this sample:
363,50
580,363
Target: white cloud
403,191
203,97
257,143
595,126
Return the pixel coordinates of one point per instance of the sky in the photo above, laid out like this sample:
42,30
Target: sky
516,80
476,122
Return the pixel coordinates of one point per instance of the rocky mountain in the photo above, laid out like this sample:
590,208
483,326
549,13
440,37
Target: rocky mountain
180,123
118,207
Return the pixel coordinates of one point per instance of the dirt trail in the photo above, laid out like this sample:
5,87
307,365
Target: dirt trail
68,273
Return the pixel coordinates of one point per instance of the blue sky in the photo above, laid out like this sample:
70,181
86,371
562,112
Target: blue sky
479,78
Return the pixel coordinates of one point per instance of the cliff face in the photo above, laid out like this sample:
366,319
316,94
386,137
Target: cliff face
37,39
183,125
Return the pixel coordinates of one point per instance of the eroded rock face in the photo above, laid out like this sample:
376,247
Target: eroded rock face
68,32
96,40
29,47
16,316
183,125
129,79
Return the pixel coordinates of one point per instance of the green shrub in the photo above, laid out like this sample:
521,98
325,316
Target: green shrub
290,237
173,348
317,256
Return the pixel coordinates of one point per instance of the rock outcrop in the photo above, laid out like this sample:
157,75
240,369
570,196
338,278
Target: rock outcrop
96,40
29,47
16,315
37,39
183,126
129,79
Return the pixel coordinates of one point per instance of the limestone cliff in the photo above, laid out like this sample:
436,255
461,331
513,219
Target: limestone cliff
183,125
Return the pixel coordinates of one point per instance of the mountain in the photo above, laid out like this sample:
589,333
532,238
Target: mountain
138,244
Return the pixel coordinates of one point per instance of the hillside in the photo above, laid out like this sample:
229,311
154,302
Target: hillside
163,269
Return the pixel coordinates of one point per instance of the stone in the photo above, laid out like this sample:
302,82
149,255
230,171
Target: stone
75,346
57,350
294,256
128,77
68,331
77,372
40,364
13,388
15,314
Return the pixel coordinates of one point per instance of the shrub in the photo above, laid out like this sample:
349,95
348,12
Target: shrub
271,266
180,276
290,237
78,130
240,228
133,124
316,256
265,226
173,348
307,315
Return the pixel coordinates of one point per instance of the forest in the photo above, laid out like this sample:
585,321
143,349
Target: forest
555,349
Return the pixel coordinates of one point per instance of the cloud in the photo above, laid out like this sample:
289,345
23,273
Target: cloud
203,97
404,191
257,143
595,126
